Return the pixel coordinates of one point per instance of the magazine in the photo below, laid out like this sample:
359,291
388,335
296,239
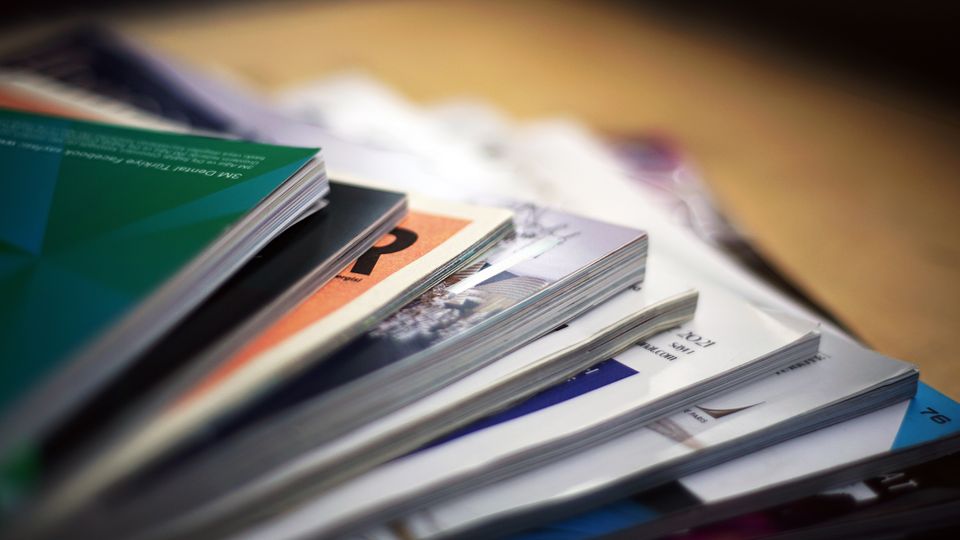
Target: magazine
841,382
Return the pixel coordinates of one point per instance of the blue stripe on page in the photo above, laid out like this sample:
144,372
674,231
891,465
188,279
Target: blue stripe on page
602,521
600,375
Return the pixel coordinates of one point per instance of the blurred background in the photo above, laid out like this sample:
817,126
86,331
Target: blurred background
826,131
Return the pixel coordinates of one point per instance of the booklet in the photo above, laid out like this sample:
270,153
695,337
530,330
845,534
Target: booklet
843,381
128,227
910,499
901,436
728,343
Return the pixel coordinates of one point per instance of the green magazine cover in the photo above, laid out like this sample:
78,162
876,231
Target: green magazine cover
95,218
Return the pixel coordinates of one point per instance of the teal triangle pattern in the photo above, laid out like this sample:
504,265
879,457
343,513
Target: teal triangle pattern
86,234
25,212
57,308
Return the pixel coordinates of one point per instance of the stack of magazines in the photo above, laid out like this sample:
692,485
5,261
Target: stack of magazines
206,338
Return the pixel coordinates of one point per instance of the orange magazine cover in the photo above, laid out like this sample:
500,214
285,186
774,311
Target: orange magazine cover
447,236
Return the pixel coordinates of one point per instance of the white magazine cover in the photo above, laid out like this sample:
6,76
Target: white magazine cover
557,162
928,417
840,371
712,344
884,442
663,301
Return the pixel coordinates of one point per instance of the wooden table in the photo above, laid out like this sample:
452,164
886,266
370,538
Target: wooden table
853,192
